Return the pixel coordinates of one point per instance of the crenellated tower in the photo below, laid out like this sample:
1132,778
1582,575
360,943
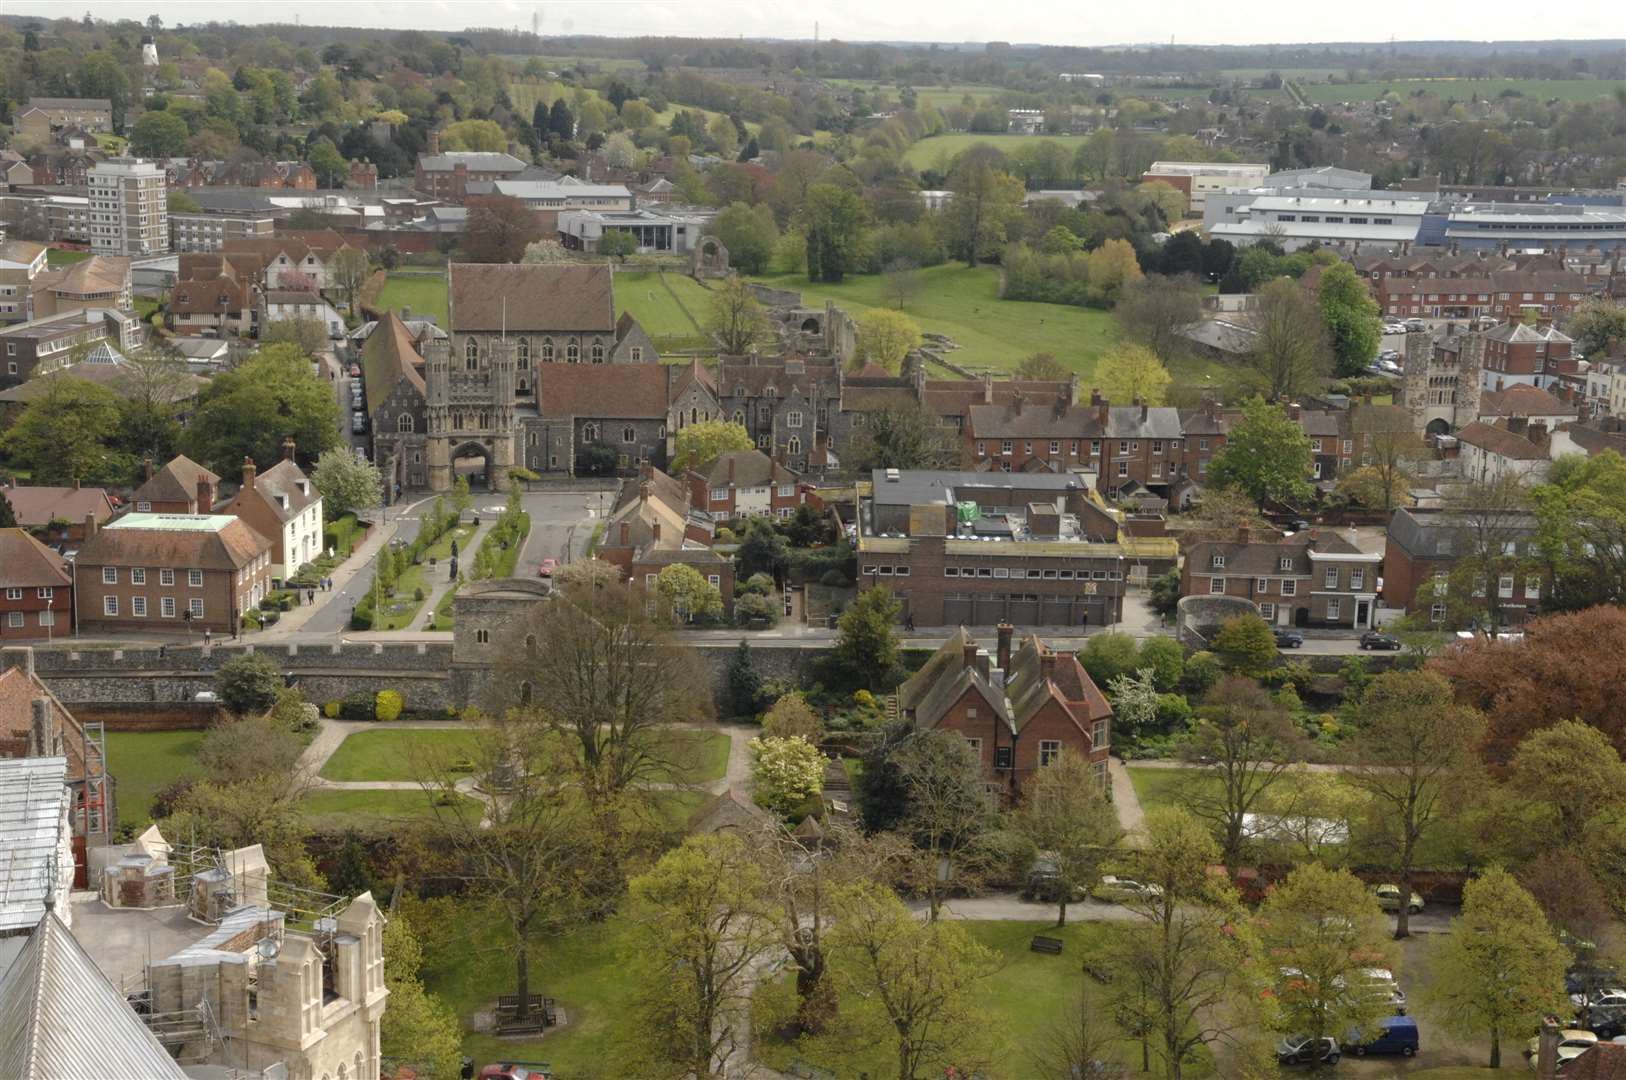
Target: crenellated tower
437,365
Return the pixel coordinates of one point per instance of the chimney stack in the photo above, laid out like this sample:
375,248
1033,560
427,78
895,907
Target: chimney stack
1294,411
988,388
1006,631
248,478
39,731
1072,390
984,664
969,653
434,142
1047,665
731,468
206,491
90,525
655,531
287,448
626,533
146,466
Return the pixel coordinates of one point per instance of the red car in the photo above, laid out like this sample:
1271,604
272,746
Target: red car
547,568
518,1070
355,371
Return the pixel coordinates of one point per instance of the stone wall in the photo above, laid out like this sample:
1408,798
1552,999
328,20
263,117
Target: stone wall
1200,616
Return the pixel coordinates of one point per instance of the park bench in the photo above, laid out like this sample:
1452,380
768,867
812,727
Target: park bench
1046,944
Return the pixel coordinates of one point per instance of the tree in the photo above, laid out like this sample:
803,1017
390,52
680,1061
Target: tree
607,675
152,385
686,596
247,411
833,220
1351,317
1186,969
59,435
986,204
1133,373
763,549
1165,590
620,152
1290,353
462,497
1042,367
1500,971
915,985
734,319
701,919
1266,456
327,163
867,635
350,270
617,244
724,137
550,252
1135,703
179,202
1065,815
1593,791
1243,742
700,444
248,684
791,717
347,483
885,337
1110,655
1390,448
478,135
1581,514
1082,1041
1595,326
900,281
1323,928
1153,310
744,682
309,336
1246,645
8,515
418,1026
1413,748
785,772
749,233
248,746
498,229
1113,267
906,436
1489,539
949,811
159,134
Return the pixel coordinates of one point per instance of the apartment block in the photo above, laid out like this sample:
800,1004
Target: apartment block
129,208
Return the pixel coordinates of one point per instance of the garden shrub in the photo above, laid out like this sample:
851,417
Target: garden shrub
331,710
388,705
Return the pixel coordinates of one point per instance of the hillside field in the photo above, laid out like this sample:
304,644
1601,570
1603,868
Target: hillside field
927,153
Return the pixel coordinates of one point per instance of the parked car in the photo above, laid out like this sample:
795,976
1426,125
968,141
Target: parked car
1301,1049
1397,1035
518,1070
358,422
1374,640
1044,882
1113,889
1612,998
1380,983
206,696
1389,354
355,371
547,568
1572,1043
1389,899
1415,326
1289,639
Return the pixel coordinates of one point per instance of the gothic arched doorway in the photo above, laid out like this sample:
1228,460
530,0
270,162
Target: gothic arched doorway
473,460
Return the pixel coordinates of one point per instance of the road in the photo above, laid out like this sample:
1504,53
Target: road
561,525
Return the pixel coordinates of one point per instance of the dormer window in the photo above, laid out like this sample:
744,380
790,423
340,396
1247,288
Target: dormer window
1218,561
1286,563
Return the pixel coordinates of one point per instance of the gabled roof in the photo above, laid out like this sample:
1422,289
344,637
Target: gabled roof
102,104
526,298
282,479
1522,399
1035,419
1500,441
603,391
26,563
177,481
36,507
1433,534
746,468
1602,1061
388,357
206,542
1523,334
1143,422
61,1018
97,274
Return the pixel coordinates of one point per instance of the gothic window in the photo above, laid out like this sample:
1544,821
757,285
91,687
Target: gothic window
471,354
793,445
739,416
590,432
772,391
524,352
629,434
547,350
525,386
404,422
598,353
573,353
694,415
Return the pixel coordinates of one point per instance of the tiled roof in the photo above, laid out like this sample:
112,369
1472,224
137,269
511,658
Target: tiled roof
1035,420
1603,1061
1522,399
1500,441
531,298
20,251
97,274
875,398
603,391
203,297
81,104
808,377
144,540
1260,552
751,468
473,160
388,357
1433,534
177,481
27,563
284,478
35,507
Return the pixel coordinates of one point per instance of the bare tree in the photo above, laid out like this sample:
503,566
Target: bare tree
1492,523
735,319
1290,355
901,281
600,670
350,270
1078,1045
950,810
1153,311
1390,445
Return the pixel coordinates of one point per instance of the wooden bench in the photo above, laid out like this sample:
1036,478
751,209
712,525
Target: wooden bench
1099,974
1046,945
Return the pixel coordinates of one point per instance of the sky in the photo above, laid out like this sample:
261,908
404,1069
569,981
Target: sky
1057,22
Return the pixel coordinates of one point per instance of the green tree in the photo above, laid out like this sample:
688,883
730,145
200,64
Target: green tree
1415,744
1065,815
1042,367
1186,970
701,920
763,549
734,318
247,411
479,135
698,445
8,515
1595,325
328,164
1132,373
417,1026
785,772
499,229
59,436
1290,353
1244,743
1351,317
915,986
248,746
949,812
867,638
152,386
686,595
792,716
1166,594
833,220
1246,645
347,483
1266,456
1110,655
1592,793
462,497
1501,969
750,235
1166,659
1581,512
885,337
1113,267
309,336
744,682
986,204
907,436
1324,930
159,134
617,244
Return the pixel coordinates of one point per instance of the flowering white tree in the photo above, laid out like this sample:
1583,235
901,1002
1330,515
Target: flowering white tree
786,771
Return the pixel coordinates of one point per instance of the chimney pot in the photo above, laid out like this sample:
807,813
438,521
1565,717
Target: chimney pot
288,448
146,466
1006,632
249,472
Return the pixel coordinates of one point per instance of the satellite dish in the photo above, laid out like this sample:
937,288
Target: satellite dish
268,948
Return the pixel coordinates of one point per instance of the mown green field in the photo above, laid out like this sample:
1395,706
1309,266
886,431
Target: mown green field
1461,89
425,294
653,300
939,150
143,763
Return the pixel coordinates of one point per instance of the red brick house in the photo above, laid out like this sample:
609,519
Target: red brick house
35,723
1533,355
36,593
1309,578
652,529
1423,547
746,483
1020,711
180,487
1502,295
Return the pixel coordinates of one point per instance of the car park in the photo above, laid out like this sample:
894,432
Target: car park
1374,640
1380,983
1289,639
1116,889
1395,1035
1415,326
1389,899
1572,1043
1302,1050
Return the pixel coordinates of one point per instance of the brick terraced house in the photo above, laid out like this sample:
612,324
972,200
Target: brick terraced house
36,592
1310,578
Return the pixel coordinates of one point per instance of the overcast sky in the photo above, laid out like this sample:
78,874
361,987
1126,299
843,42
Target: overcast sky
1060,22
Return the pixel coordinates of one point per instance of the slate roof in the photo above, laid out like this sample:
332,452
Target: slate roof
1222,336
1522,399
67,103
1259,552
473,160
1024,691
206,542
531,298
36,506
1034,420
752,468
1432,534
388,357
608,391
61,1018
1500,441
27,563
1143,422
808,377
177,481
1522,334
283,478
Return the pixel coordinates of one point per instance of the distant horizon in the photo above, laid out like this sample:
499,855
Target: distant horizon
956,23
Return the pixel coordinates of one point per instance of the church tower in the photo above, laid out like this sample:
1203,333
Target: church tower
502,411
437,363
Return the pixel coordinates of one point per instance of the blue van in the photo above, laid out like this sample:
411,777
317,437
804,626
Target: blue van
1399,1036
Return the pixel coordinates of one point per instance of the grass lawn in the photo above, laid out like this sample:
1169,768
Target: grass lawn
442,549
443,610
401,610
927,153
964,303
1461,89
145,762
144,307
56,257
699,757
391,753
653,300
425,294
333,809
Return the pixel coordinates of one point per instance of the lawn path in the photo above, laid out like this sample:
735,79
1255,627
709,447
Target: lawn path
465,558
